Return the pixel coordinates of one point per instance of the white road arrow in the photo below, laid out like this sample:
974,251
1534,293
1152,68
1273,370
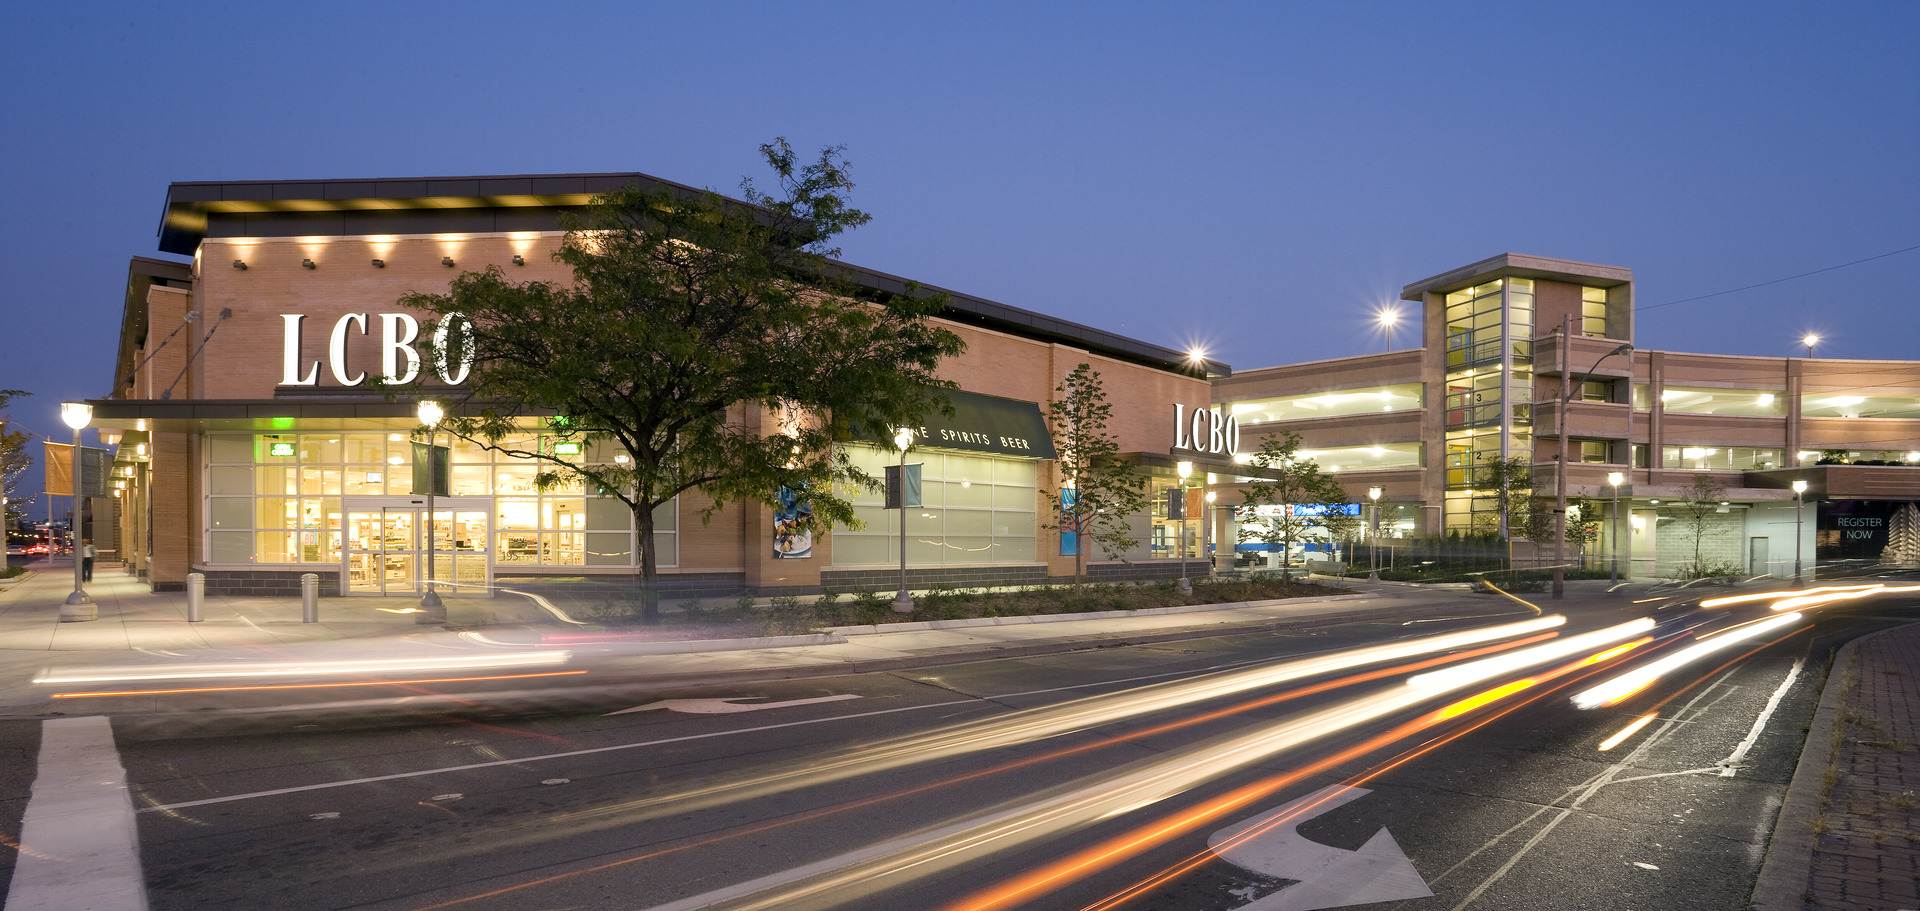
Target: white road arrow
1325,876
728,706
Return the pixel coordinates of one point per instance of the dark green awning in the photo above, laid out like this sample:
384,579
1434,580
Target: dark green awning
983,423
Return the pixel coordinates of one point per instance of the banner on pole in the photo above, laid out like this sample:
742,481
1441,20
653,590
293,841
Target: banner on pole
59,466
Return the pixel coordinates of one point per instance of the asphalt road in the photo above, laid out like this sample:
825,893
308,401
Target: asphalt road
939,788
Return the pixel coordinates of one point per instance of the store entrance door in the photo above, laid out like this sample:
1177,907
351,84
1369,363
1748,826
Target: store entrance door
386,546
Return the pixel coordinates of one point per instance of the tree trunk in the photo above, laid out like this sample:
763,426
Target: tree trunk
649,567
1079,548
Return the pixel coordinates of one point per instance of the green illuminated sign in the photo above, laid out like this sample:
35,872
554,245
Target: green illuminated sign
280,450
566,447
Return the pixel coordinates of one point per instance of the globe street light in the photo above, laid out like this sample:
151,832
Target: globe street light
1799,492
1614,480
1373,536
1387,318
77,415
903,441
430,414
1810,339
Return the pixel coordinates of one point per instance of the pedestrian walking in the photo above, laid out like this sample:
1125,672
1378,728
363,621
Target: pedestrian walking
87,554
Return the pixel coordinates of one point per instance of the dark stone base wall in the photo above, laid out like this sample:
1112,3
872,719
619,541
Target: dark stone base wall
1141,572
950,577
627,588
260,583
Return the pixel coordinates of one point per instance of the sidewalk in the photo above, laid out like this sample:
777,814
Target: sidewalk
133,618
1849,833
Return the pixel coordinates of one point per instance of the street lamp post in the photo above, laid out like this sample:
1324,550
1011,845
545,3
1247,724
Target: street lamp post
429,413
78,606
903,601
1799,502
1614,480
1388,318
1373,536
1206,529
1810,339
1560,469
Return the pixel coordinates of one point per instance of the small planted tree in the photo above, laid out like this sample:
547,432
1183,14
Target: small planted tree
1100,492
1285,482
1705,499
1583,524
710,343
14,462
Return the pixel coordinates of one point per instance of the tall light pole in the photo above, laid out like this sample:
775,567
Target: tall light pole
1810,339
1373,536
430,414
78,606
903,600
1614,480
1184,470
1206,528
1799,501
1560,470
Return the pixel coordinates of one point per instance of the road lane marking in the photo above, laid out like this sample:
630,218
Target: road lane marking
78,846
730,705
1324,876
1732,762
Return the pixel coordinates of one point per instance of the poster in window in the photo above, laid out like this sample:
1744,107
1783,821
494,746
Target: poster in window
791,538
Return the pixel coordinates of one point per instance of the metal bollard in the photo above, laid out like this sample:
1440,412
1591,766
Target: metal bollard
309,598
196,596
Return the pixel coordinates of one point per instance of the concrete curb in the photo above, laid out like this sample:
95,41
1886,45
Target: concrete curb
1785,873
917,625
749,643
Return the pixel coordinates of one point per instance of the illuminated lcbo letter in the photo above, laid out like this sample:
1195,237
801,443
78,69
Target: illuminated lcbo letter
290,358
393,343
1179,426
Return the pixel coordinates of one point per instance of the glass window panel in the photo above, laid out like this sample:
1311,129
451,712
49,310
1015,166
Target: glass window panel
563,549
666,517
266,453
276,512
514,479
1011,550
1593,294
607,514
318,546
320,512
517,514
966,549
875,520
465,451
859,550
229,449
230,512
320,447
968,522
563,514
666,549
516,547
367,479
276,480
231,547
923,523
230,481
969,493
1734,402
365,447
1014,471
610,549
275,547
469,480
322,481
1021,498
400,480
1014,524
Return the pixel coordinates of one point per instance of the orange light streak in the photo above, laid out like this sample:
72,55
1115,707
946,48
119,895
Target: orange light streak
822,812
267,687
1631,729
1026,887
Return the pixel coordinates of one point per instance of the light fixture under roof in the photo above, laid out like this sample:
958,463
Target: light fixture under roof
308,264
240,264
446,261
379,263
519,260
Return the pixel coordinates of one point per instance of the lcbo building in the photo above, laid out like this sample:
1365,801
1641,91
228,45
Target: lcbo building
253,446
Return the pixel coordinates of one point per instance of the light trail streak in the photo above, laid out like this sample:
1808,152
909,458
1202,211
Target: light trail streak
268,687
872,867
679,805
1750,597
1619,737
1816,600
304,668
1454,678
1619,688
1116,849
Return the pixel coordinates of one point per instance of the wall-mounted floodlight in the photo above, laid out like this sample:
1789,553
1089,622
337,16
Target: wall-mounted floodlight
446,261
379,263
308,264
240,264
519,260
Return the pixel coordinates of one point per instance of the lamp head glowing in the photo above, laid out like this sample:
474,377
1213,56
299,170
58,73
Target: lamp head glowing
76,415
1183,469
903,438
1387,317
429,412
1615,478
1196,355
1213,496
1800,485
1810,339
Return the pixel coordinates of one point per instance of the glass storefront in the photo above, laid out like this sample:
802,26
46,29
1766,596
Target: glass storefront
297,498
975,509
1489,394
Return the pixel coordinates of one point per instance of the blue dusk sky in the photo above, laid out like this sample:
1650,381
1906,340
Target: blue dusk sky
1255,178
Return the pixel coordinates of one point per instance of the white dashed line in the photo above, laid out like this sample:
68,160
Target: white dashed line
78,847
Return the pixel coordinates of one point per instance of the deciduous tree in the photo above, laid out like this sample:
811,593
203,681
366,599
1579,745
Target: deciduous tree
1101,492
716,345
1287,481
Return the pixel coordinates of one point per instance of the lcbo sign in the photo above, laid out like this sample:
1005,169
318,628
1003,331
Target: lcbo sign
399,361
1205,431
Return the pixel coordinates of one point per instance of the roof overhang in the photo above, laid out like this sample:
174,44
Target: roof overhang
1519,265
